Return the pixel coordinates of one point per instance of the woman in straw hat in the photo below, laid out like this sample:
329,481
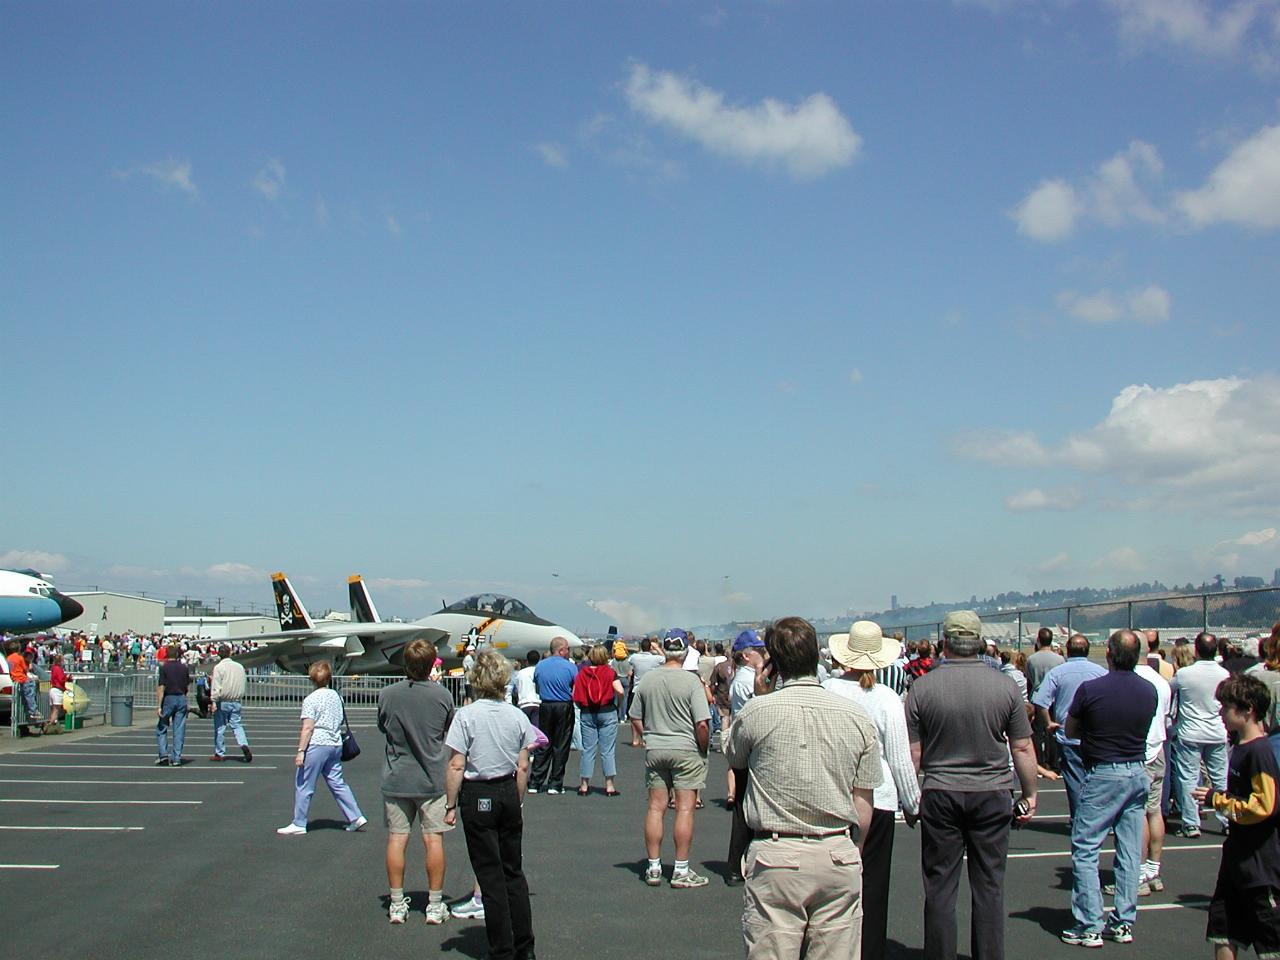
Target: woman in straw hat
860,653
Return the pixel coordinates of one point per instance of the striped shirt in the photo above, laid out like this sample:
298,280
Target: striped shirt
895,678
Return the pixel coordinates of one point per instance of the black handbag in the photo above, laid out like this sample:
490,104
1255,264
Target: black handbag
350,747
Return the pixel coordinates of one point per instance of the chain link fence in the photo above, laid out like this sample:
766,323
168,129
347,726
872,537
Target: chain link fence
1239,613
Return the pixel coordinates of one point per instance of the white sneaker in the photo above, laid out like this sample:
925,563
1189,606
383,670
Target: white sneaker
553,792
468,909
437,912
398,912
356,824
291,830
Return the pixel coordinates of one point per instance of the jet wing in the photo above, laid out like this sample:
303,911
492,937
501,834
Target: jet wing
286,642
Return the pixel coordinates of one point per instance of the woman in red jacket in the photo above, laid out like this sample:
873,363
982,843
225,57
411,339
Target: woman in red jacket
57,690
594,691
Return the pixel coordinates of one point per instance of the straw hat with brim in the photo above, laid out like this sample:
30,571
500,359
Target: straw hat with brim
864,647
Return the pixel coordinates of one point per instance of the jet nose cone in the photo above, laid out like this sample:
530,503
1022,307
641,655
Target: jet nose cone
70,608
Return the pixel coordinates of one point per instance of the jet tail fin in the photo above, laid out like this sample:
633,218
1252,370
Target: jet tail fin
362,608
293,615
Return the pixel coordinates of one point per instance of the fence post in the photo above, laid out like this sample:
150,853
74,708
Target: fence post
1019,640
1130,606
1069,621
1204,607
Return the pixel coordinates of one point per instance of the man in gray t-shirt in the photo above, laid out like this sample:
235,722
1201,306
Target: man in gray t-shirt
641,664
964,722
670,711
414,715
1038,666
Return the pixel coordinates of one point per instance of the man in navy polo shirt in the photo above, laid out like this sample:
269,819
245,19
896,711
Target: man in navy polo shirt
553,677
1111,716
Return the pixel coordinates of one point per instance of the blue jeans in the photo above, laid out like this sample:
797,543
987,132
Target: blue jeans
599,730
1072,769
1186,775
227,714
322,762
1114,796
28,688
173,714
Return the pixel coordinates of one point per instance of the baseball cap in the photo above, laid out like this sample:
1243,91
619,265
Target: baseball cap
747,639
960,623
676,639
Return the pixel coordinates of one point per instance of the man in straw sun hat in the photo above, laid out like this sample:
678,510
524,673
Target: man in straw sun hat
862,654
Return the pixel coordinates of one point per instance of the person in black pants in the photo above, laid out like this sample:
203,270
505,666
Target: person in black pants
488,771
553,677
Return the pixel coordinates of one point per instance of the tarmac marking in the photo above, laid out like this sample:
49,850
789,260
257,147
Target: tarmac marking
1189,904
168,803
106,756
135,783
95,829
1067,853
28,866
108,766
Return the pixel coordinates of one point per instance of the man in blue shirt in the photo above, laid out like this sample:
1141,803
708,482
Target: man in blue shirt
553,678
1053,700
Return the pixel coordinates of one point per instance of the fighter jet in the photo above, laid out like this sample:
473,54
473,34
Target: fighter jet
30,602
369,645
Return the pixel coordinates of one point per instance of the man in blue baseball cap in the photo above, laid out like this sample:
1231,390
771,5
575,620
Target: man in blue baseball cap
748,658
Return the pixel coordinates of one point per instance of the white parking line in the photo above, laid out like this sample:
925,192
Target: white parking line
115,766
28,866
93,829
107,756
1188,904
133,783
167,803
1067,853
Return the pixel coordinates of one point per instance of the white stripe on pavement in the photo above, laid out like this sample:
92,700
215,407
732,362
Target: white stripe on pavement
117,766
167,803
132,783
1067,853
94,829
1189,904
28,866
106,756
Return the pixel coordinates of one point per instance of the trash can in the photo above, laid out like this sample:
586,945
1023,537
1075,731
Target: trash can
122,710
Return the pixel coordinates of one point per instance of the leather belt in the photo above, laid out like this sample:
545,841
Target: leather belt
778,835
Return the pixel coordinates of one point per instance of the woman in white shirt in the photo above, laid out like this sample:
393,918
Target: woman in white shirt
860,653
320,754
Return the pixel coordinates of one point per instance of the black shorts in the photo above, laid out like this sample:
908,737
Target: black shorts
1248,917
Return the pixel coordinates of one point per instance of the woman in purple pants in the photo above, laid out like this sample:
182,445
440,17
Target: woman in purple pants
320,754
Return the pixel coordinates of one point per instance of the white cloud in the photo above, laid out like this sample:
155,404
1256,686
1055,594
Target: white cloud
41,560
1231,29
1149,304
809,139
1207,441
552,154
1055,564
1114,194
172,174
393,226
235,573
1255,538
1244,188
1065,498
855,375
628,615
269,181
1119,561
1049,212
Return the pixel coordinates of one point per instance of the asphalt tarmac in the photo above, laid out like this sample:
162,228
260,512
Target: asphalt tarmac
103,856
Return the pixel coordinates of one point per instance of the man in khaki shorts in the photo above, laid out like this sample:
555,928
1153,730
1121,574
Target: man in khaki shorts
414,715
669,710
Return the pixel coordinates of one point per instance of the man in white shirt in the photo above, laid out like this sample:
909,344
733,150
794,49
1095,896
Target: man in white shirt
1198,732
642,663
226,690
527,698
1153,828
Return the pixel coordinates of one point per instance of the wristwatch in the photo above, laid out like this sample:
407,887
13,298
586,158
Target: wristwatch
454,807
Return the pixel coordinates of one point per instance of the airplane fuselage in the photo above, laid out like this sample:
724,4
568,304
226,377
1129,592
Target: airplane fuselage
30,603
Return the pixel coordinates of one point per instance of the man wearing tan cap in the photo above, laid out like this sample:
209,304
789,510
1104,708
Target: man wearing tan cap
963,721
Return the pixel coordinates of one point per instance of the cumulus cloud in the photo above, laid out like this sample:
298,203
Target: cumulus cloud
1121,560
1055,564
552,154
1149,304
393,225
235,573
269,181
855,375
1255,538
1247,28
808,139
1026,501
1207,438
1244,188
631,617
40,560
1114,194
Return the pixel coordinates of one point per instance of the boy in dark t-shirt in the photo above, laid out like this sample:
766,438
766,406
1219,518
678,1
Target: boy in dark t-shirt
1245,910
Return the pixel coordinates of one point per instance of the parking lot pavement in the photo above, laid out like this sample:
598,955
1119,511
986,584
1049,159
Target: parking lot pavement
186,856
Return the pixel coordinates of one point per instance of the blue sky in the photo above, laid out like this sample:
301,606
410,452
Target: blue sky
646,314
